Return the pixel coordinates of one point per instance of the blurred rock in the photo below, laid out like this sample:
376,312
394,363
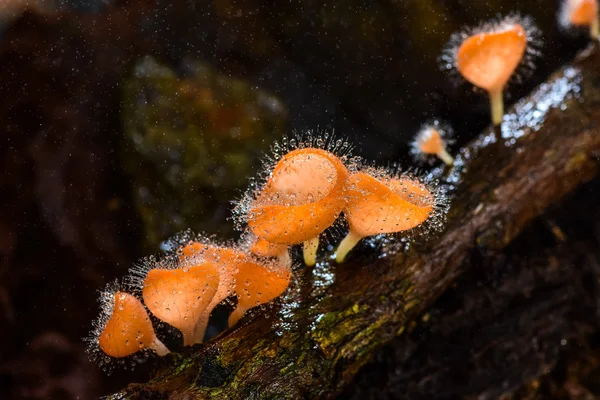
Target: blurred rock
192,143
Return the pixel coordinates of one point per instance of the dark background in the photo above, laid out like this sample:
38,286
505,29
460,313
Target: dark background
87,186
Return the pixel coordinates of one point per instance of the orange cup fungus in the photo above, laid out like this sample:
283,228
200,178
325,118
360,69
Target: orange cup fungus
229,260
181,297
379,203
256,284
431,139
581,13
488,56
263,281
303,196
129,329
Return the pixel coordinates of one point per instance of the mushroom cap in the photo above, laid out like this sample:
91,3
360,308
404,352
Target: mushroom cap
179,297
129,328
430,141
267,249
302,198
387,204
227,260
258,283
582,12
489,59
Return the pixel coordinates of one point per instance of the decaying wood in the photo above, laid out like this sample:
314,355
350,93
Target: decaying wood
335,317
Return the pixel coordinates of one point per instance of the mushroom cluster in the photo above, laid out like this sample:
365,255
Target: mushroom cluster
304,192
307,188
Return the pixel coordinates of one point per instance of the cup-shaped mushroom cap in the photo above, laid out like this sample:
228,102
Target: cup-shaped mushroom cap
129,328
489,59
179,297
386,205
226,258
258,284
302,198
431,142
582,12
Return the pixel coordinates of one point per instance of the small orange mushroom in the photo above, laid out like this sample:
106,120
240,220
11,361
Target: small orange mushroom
379,203
303,196
581,13
180,297
431,139
489,57
229,260
129,329
258,283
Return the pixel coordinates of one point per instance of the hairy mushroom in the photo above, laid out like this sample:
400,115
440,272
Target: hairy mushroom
304,195
181,296
432,140
128,329
581,13
381,203
488,56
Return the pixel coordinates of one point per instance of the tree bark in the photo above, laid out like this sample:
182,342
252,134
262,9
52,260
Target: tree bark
335,318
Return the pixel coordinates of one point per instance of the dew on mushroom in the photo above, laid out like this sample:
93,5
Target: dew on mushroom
180,296
381,202
123,328
432,139
303,196
489,55
257,283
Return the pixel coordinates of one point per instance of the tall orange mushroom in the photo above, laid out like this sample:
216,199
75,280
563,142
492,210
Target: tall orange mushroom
581,13
181,296
125,327
303,196
379,202
489,56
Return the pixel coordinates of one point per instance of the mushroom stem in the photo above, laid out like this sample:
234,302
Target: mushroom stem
159,348
202,323
188,337
445,157
235,316
310,251
346,245
595,28
200,329
497,106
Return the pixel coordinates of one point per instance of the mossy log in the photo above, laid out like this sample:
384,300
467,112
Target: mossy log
335,318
